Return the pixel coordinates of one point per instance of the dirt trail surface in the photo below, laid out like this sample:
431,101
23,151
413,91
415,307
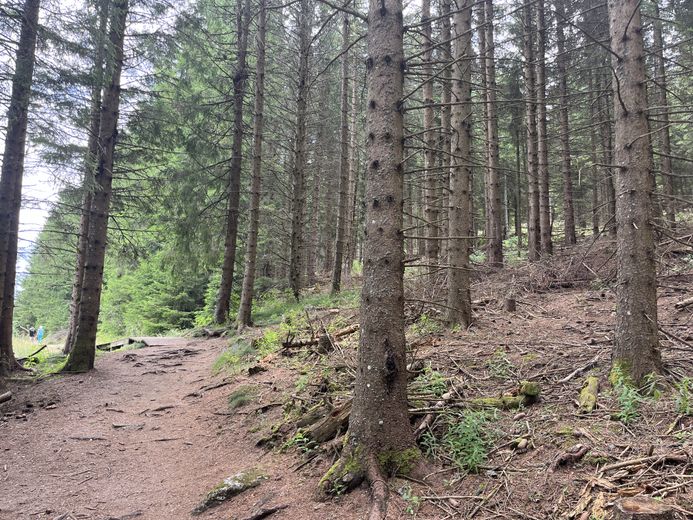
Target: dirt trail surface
144,436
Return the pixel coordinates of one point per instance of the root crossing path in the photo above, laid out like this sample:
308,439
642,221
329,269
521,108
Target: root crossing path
144,436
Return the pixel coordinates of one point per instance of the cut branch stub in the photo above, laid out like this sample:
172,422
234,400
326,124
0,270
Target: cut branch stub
642,508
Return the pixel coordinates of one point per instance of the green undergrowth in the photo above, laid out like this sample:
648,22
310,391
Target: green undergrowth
464,441
274,305
241,396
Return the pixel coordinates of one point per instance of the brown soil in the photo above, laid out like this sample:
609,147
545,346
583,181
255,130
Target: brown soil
144,435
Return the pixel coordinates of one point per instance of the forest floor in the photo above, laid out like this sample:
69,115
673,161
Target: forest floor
152,430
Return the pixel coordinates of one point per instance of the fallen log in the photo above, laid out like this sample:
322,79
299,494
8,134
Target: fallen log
588,395
331,425
684,303
20,360
642,508
5,397
526,394
324,339
676,458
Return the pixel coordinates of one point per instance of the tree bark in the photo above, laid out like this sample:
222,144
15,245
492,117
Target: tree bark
594,114
493,213
88,181
429,138
542,137
566,168
343,163
533,240
380,437
81,358
245,308
299,173
445,121
636,345
660,80
221,311
459,297
12,173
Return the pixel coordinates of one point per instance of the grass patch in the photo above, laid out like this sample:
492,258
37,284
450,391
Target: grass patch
684,396
274,305
241,396
238,356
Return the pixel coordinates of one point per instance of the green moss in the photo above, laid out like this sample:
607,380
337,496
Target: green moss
530,388
595,460
344,474
399,461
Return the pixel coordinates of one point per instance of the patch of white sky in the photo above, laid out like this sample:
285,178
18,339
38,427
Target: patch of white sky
42,180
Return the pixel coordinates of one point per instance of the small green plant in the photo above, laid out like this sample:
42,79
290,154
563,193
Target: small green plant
425,325
269,342
465,442
499,364
413,501
241,396
300,441
684,397
302,382
627,396
431,381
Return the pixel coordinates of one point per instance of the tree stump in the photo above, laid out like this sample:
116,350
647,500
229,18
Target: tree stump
642,508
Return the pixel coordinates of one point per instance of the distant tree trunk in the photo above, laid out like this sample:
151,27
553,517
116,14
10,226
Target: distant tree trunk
88,181
493,213
352,220
533,240
311,246
607,155
12,173
594,115
299,173
662,113
380,438
561,60
343,163
245,308
459,297
81,357
429,139
542,137
636,345
221,311
445,120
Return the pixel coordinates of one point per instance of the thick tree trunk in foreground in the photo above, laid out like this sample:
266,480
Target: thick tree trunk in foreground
380,438
533,240
81,357
221,310
636,346
245,308
12,173
88,181
493,213
561,60
343,163
459,298
299,169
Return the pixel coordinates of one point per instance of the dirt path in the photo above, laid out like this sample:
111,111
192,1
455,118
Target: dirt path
138,438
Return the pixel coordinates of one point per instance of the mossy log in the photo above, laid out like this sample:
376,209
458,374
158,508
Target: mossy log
642,508
230,487
527,393
588,395
331,425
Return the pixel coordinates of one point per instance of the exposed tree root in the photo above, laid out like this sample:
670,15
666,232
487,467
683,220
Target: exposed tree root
379,489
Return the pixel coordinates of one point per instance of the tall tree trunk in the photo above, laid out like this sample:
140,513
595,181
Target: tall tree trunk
566,169
12,173
88,180
299,173
380,437
343,163
445,120
663,120
82,355
429,138
221,311
636,345
594,115
245,308
352,220
493,213
542,137
533,240
607,154
459,297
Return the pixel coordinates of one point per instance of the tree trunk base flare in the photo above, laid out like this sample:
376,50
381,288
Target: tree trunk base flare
642,508
588,395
